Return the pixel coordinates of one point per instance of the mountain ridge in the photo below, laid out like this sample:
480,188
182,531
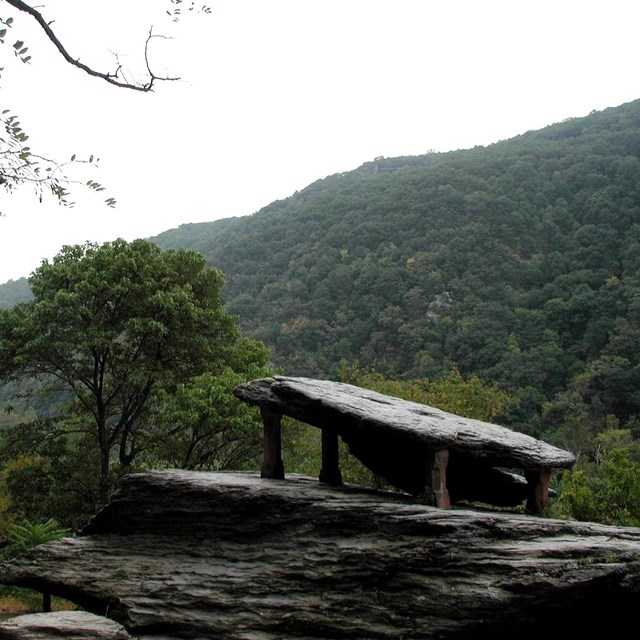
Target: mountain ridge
518,262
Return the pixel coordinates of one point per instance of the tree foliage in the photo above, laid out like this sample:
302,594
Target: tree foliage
608,494
516,263
471,398
203,427
110,325
14,291
47,470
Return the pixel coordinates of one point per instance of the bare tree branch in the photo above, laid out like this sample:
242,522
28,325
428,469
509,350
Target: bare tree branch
111,78
146,56
18,164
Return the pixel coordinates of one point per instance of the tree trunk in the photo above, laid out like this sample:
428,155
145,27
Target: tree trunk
104,461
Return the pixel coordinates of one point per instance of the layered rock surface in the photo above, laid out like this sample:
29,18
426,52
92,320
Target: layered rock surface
398,441
65,625
180,554
357,413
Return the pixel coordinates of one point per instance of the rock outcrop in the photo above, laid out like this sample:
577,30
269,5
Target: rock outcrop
413,446
181,554
64,625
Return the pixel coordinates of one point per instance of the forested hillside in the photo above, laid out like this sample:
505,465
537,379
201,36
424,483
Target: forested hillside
13,292
517,262
499,282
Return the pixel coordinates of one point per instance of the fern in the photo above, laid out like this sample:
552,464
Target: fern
31,534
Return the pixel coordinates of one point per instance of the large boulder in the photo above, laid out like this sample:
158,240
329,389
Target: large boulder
180,554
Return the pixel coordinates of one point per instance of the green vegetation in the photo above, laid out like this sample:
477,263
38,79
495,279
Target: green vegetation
604,486
13,292
509,274
202,426
142,357
517,264
28,534
470,398
20,538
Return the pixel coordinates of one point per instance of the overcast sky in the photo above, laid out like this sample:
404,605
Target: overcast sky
277,94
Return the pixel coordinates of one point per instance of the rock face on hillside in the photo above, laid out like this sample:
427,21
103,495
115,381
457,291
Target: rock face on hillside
181,554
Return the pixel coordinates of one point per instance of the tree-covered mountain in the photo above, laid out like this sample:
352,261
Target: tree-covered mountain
13,292
518,262
513,270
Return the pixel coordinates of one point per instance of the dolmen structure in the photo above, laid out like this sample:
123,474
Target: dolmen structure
414,447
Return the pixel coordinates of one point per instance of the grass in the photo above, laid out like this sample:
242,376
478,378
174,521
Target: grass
16,601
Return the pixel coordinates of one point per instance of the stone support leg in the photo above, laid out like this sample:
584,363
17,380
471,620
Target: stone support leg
272,466
330,472
439,479
538,490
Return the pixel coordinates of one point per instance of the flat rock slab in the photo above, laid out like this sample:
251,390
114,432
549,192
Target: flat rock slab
69,625
394,437
182,554
350,408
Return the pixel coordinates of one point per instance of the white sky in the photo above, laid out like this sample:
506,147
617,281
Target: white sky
279,93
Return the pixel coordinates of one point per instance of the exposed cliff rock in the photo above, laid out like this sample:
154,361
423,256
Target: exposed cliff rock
180,554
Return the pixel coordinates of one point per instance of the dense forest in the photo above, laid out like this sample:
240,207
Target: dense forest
516,264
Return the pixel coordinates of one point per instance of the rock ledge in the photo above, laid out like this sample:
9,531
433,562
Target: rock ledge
180,554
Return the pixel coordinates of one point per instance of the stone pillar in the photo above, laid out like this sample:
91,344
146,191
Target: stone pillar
538,490
439,479
272,466
330,472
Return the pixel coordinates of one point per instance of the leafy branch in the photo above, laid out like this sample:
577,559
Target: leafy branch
19,165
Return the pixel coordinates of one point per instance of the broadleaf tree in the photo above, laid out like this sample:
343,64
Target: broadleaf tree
203,427
114,323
